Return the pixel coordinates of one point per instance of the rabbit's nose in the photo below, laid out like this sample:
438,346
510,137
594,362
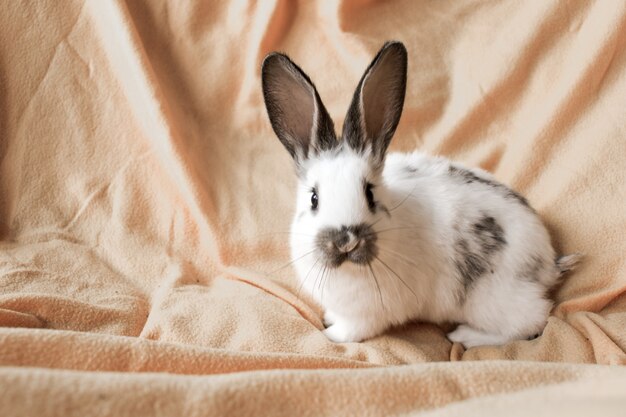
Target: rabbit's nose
356,244
345,241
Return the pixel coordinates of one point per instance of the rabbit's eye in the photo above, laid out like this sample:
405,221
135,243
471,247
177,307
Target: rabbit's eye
313,199
369,195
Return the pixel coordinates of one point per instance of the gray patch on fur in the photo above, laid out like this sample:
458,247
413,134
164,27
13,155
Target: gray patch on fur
468,177
469,264
475,250
489,235
532,268
410,169
329,240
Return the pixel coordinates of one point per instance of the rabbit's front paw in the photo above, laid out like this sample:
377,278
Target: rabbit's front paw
329,318
470,337
341,332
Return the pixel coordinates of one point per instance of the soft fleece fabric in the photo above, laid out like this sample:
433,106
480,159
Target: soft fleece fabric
145,201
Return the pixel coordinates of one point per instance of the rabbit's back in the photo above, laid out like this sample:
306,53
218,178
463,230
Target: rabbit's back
496,256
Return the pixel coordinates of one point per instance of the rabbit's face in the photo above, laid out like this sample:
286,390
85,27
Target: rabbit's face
337,204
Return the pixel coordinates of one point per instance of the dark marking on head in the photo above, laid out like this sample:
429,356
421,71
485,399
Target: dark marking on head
384,209
331,243
340,237
368,189
469,177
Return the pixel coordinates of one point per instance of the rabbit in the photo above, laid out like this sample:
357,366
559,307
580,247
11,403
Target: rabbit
381,240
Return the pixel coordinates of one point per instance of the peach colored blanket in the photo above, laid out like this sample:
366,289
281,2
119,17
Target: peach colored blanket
144,204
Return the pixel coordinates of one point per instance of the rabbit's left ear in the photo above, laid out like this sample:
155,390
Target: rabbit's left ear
295,109
377,102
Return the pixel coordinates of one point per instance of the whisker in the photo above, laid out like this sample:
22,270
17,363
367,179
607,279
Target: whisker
285,233
404,200
306,277
408,261
398,276
380,294
401,228
319,284
399,256
394,228
292,262
328,273
372,225
388,275
320,273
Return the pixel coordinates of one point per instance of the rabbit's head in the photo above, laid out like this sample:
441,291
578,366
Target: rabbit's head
340,195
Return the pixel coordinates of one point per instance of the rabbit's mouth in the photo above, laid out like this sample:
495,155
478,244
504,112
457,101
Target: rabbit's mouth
356,244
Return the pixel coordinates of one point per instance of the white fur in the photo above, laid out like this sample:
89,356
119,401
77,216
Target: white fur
416,240
447,245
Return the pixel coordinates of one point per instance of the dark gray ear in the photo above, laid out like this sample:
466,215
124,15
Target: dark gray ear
377,103
295,109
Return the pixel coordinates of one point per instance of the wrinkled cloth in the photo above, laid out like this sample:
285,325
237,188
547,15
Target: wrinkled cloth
145,204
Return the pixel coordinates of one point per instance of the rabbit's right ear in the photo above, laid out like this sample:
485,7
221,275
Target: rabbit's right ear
295,109
377,103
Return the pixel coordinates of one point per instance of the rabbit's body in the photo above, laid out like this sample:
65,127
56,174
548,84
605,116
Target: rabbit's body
457,247
380,240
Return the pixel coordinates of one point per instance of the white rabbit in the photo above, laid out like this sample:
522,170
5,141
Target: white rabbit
380,241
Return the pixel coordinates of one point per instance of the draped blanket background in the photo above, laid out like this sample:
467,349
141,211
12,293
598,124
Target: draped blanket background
144,203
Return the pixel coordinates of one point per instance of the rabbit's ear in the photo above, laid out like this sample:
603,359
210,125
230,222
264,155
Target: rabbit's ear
295,109
377,102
